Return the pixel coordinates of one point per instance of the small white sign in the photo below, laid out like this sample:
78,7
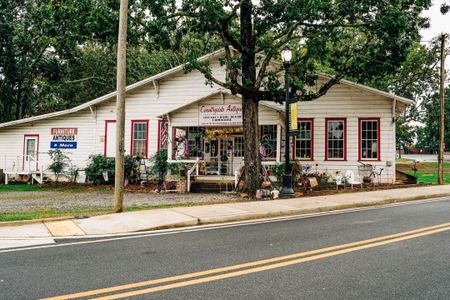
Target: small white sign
220,115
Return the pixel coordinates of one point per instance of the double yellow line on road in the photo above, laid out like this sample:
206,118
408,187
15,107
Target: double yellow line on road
156,285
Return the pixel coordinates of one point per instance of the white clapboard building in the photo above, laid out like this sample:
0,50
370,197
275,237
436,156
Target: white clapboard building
352,123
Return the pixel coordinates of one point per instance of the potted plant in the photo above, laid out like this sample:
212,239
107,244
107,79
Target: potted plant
178,172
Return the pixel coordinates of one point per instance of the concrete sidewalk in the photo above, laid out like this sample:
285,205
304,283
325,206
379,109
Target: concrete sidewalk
44,232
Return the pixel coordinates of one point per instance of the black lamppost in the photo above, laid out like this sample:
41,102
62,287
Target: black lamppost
286,187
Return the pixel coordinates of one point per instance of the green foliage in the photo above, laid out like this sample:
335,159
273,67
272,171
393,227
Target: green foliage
59,162
99,164
345,38
178,169
428,136
416,79
131,168
159,165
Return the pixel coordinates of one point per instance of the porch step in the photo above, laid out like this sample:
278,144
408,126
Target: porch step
38,178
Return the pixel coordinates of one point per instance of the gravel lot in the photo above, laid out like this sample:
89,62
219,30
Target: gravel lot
65,201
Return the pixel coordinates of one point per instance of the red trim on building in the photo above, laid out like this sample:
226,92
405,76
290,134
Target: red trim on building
360,136
294,147
106,134
37,149
146,136
159,135
345,139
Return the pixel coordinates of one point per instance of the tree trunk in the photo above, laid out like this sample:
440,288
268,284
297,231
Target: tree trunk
19,107
120,107
252,159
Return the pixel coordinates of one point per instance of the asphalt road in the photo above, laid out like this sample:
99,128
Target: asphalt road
413,265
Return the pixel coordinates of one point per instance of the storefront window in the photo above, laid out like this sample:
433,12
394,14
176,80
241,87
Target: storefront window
369,139
195,141
304,142
268,141
139,138
239,146
336,139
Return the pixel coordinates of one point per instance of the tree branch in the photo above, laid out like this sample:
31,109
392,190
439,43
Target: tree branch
225,32
85,79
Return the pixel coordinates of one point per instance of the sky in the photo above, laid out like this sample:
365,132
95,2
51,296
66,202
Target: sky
439,23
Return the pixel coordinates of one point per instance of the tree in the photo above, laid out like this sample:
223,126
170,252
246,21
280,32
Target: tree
343,38
35,38
56,55
416,79
428,135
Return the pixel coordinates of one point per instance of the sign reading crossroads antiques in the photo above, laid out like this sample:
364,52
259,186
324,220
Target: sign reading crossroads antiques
220,115
64,138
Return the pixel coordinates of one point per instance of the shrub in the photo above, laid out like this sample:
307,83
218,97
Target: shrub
99,164
132,169
159,165
59,162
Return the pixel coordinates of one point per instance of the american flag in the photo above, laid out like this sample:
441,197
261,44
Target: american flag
163,128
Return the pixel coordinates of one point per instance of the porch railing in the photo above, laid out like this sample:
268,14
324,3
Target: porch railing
21,164
195,167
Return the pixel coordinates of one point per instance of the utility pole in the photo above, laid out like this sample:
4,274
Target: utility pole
442,131
120,106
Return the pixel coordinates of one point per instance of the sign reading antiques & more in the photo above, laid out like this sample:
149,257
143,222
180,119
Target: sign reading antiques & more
64,138
220,115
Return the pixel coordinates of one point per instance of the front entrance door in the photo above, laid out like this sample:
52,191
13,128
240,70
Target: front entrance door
30,155
110,138
226,156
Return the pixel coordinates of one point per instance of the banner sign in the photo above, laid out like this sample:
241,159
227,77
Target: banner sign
220,115
64,138
293,122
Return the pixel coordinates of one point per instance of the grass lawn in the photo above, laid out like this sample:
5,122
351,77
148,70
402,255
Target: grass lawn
43,214
426,171
19,188
32,215
426,177
70,189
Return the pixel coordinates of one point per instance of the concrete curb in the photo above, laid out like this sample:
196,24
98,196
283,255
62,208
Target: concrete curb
294,212
254,216
247,216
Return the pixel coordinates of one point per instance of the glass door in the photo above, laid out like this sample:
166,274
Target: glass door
30,157
226,156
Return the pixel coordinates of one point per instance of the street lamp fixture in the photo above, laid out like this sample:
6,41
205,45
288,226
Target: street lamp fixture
286,186
286,55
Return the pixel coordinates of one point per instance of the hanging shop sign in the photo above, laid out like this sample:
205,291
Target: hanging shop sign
64,138
220,115
293,120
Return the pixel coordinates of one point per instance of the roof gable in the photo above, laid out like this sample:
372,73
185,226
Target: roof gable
155,78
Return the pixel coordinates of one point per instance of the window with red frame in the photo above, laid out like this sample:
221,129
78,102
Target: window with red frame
336,139
304,141
369,139
139,139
